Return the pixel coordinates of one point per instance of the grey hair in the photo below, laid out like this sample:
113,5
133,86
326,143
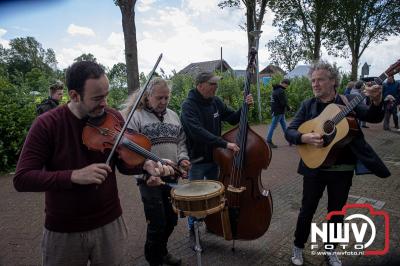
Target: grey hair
157,81
332,69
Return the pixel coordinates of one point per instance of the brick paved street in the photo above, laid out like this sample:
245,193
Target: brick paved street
22,215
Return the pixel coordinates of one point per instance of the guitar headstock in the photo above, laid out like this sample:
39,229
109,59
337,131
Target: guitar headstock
391,71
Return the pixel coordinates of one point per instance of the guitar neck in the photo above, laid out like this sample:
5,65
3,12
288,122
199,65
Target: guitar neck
358,99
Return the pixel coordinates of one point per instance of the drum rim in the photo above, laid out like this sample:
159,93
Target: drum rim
220,191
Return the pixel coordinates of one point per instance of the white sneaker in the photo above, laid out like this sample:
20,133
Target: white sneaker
297,256
333,259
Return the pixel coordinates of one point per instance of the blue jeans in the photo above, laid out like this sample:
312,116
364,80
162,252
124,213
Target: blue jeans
275,120
202,171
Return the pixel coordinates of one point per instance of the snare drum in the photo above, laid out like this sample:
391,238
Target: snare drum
198,198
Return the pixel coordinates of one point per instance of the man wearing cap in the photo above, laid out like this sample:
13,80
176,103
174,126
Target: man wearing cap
202,115
279,104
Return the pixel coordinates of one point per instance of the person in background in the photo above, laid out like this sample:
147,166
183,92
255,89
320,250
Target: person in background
55,96
279,105
348,88
391,87
358,90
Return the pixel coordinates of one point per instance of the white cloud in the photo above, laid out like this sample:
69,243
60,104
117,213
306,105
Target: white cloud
144,5
79,30
116,39
201,6
196,32
4,42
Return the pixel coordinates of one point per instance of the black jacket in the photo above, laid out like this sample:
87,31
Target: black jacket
46,105
359,148
279,101
201,120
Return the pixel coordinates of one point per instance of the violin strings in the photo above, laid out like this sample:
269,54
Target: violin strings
137,148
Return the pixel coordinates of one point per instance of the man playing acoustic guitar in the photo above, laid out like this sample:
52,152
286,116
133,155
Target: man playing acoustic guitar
336,176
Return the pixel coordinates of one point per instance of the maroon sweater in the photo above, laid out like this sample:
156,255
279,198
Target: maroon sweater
52,150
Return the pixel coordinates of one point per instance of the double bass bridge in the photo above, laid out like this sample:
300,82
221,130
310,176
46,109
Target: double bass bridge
235,189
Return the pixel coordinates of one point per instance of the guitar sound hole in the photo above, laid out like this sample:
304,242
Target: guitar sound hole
329,127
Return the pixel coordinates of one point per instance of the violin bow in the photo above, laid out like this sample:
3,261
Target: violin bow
140,95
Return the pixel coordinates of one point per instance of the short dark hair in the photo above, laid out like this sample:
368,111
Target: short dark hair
57,85
358,85
286,81
79,72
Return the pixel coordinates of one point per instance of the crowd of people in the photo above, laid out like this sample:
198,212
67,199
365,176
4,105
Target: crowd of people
84,219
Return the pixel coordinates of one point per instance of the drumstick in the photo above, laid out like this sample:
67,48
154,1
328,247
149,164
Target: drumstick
173,185
198,159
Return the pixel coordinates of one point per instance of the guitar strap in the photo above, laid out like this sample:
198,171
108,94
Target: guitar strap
346,102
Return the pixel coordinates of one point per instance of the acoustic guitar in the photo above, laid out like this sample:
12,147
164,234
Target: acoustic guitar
333,127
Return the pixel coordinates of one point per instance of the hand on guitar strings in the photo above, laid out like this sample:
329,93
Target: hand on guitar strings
313,139
374,92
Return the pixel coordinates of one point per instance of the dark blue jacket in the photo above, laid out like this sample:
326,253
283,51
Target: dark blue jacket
279,102
201,120
360,149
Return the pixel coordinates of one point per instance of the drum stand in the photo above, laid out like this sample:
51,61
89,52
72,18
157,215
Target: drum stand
197,247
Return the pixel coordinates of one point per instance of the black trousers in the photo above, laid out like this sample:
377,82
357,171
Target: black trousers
338,185
161,220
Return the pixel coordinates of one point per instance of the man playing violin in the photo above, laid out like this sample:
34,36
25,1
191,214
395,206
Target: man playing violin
83,213
338,176
163,127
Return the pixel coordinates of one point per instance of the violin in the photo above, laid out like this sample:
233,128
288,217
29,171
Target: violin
100,134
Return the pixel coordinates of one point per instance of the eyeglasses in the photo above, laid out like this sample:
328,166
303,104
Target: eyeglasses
212,83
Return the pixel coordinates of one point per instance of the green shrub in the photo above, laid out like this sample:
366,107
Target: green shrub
181,85
17,111
117,97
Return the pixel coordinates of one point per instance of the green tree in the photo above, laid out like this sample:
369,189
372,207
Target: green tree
309,19
86,57
117,76
25,54
255,11
127,8
286,50
362,22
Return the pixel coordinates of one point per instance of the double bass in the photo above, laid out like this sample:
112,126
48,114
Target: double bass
248,209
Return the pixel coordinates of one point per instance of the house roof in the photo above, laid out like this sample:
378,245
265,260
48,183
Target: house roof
299,71
194,69
239,73
272,70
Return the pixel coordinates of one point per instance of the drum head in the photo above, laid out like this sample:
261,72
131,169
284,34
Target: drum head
197,188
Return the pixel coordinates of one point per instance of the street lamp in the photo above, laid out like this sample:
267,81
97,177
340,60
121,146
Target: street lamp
256,34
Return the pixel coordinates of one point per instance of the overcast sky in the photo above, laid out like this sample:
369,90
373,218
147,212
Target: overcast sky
185,31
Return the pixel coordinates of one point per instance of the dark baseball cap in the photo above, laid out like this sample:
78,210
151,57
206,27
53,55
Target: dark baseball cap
207,77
